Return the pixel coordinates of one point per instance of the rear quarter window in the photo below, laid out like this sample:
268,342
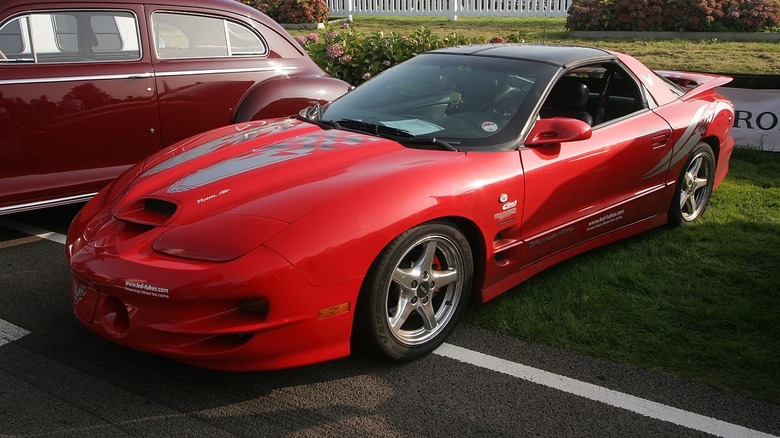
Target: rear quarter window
180,35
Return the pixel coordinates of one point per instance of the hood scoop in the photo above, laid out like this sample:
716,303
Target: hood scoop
149,211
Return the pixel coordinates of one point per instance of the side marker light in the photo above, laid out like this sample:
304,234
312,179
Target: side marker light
333,310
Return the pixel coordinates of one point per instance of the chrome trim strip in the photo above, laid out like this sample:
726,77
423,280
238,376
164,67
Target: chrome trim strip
143,75
50,203
226,70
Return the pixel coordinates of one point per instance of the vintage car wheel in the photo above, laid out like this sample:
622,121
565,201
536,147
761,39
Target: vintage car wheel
415,292
694,187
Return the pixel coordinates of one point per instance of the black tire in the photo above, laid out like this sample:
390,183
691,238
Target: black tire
415,292
694,187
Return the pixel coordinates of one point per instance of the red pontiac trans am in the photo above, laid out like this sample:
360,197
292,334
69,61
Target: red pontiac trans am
89,89
453,176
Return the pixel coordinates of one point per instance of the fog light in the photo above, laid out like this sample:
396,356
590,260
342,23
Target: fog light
115,318
254,305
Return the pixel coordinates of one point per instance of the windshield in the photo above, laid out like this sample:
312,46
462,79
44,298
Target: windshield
466,101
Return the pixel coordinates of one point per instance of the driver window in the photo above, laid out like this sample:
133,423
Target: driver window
71,36
596,94
15,42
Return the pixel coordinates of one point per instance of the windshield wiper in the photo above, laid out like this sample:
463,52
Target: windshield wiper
312,115
373,128
379,130
396,134
324,124
430,140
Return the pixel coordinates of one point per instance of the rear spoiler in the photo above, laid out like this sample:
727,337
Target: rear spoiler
694,84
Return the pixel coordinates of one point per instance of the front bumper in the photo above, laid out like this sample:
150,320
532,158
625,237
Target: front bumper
205,313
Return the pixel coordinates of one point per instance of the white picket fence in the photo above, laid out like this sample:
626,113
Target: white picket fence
451,8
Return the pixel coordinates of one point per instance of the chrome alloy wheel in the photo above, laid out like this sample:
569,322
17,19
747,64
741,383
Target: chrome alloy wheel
696,186
425,289
415,292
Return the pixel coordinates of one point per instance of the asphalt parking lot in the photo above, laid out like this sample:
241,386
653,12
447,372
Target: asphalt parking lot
58,379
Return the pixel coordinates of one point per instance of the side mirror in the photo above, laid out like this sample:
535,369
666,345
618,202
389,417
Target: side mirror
557,130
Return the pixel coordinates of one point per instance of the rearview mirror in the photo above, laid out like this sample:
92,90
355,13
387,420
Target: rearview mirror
558,130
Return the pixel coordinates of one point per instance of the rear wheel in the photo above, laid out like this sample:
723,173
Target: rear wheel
694,187
415,292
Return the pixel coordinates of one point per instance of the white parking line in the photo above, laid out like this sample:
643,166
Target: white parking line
597,393
658,411
10,332
34,231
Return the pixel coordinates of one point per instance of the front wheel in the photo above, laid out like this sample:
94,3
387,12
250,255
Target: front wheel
694,187
415,292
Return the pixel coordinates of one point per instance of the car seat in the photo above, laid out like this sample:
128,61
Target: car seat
567,99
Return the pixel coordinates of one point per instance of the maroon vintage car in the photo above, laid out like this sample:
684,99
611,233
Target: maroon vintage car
88,89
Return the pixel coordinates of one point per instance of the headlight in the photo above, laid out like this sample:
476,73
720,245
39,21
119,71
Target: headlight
217,239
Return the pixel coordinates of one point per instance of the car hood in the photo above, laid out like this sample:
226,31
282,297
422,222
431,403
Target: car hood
279,170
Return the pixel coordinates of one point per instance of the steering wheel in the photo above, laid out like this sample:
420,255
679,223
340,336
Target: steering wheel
494,109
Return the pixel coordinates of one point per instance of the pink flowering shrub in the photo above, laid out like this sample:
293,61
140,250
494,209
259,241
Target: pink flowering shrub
674,15
699,15
747,15
356,58
639,14
292,11
335,51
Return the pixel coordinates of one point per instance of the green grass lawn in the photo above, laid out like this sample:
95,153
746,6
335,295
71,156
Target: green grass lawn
701,301
706,56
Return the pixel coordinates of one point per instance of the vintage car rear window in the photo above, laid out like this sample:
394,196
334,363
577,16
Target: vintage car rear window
178,35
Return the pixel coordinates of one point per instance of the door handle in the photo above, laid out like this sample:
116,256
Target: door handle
659,141
141,76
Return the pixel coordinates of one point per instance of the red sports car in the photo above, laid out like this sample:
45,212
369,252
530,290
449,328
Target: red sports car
453,176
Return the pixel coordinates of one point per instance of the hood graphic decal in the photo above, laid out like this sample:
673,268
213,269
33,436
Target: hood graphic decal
229,140
275,153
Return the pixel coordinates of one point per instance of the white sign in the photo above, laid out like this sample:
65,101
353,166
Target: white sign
757,121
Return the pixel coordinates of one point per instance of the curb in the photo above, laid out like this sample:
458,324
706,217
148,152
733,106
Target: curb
696,36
